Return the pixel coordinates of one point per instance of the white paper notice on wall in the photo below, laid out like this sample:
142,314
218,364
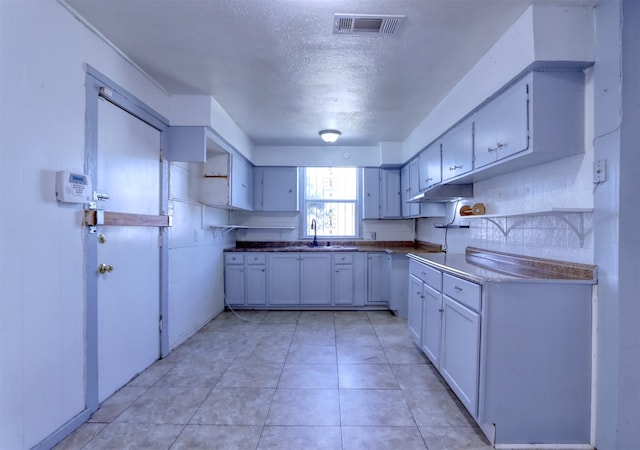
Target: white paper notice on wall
73,187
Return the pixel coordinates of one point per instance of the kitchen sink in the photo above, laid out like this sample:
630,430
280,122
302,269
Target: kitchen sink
320,248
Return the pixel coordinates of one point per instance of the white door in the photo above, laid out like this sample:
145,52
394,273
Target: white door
128,170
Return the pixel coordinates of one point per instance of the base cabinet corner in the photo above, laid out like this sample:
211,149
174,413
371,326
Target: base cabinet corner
516,354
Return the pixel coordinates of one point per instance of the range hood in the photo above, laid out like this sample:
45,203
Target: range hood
444,193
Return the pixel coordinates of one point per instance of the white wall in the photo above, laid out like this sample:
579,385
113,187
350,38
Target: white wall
196,265
318,156
617,243
206,111
43,51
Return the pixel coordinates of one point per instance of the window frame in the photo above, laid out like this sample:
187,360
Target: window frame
304,223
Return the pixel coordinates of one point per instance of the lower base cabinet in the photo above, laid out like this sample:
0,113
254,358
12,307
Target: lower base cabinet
377,279
431,335
295,279
416,299
315,279
234,292
460,352
256,284
516,353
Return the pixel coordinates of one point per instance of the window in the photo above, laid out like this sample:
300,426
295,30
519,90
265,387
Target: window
330,197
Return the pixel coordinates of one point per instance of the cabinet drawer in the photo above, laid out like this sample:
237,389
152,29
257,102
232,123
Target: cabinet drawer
430,276
465,292
343,258
256,258
234,258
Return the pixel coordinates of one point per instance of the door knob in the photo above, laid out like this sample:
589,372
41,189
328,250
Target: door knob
105,268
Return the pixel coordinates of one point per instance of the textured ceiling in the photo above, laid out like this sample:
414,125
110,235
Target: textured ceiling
279,71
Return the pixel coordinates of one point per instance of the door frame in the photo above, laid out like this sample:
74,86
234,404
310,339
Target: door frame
99,86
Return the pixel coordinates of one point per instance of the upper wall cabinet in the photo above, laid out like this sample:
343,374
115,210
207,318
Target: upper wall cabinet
409,177
227,180
381,189
538,119
188,143
275,188
457,150
502,127
430,166
241,183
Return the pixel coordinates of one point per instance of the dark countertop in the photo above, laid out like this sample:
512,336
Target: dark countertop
402,247
482,266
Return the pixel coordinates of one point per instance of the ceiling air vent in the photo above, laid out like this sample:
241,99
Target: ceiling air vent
366,24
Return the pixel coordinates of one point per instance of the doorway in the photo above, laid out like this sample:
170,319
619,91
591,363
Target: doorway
126,270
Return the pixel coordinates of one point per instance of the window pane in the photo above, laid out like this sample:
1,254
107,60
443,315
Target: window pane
333,218
330,183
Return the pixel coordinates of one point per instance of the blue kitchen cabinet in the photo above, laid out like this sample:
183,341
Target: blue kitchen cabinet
381,189
416,299
256,276
430,166
275,189
284,278
377,279
517,353
457,150
315,278
343,281
460,356
234,281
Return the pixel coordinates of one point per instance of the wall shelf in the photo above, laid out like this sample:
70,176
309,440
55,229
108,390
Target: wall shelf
225,228
573,217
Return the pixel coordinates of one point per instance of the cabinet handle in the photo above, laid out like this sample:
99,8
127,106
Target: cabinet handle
244,185
457,288
496,148
428,179
441,309
452,168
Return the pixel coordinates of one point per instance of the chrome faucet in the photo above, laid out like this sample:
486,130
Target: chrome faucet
314,227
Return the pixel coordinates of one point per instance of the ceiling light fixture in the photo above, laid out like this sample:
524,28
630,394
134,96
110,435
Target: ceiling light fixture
330,135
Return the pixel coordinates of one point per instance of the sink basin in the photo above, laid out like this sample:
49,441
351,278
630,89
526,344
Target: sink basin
320,248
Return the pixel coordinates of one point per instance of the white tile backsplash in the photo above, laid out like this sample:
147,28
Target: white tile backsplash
566,183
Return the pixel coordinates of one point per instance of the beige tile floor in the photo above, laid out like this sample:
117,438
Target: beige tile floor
286,380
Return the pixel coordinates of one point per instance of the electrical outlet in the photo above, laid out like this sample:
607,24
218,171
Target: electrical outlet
600,171
372,236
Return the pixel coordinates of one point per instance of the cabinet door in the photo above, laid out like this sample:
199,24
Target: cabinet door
405,190
432,324
460,360
234,284
457,150
414,187
277,189
502,127
414,318
371,200
430,166
390,202
377,279
343,292
284,278
241,183
409,179
256,284
315,279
